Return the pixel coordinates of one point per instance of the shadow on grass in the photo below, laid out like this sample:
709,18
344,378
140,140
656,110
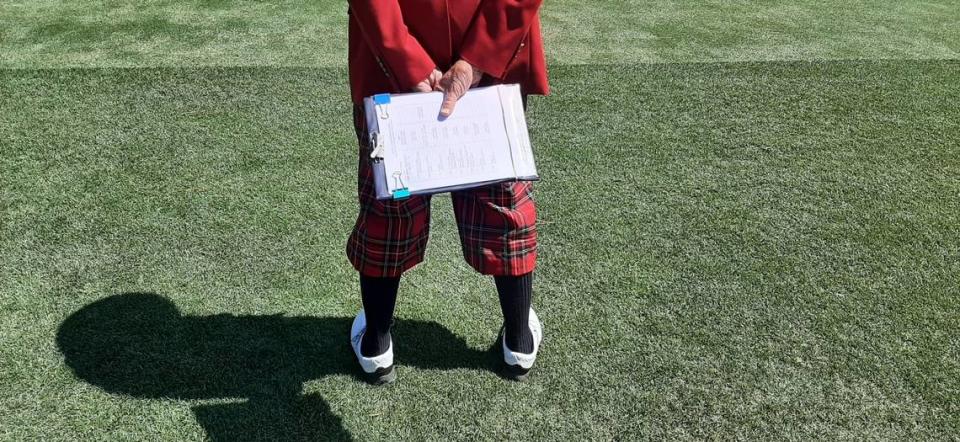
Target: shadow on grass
139,344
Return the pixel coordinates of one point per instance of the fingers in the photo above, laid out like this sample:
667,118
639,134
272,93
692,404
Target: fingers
434,78
423,86
431,83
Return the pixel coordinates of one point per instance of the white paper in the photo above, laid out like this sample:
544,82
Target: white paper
485,139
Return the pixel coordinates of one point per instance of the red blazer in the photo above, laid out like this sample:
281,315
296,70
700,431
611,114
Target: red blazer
395,44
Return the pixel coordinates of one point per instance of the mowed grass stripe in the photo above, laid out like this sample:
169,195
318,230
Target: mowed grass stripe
754,250
55,34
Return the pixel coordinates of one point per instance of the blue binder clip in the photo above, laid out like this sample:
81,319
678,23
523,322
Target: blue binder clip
400,194
380,101
402,190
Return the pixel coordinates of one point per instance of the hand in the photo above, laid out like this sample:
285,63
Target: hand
431,83
461,77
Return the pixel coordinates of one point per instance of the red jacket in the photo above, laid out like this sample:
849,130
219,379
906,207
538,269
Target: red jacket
395,44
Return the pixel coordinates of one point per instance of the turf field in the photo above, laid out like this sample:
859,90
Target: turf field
750,229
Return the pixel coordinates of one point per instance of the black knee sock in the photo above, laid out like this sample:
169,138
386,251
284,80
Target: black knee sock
516,294
379,298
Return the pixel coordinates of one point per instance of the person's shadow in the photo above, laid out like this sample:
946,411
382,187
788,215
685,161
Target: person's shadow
139,344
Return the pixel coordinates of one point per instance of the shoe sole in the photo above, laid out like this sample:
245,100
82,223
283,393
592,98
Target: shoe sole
516,372
511,372
382,376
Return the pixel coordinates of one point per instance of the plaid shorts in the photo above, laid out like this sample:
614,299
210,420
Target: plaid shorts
497,225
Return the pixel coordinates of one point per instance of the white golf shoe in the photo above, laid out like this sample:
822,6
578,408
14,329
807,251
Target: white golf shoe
519,364
378,369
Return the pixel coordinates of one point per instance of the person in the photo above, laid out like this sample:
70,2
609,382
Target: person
449,46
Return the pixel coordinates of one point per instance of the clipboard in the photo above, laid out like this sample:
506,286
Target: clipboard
414,152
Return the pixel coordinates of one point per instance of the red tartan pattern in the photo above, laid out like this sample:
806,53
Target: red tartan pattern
497,225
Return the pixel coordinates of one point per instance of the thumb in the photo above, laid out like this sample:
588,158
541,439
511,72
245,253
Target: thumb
450,98
451,93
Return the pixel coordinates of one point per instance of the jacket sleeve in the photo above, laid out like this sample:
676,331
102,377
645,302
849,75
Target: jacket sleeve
495,36
399,53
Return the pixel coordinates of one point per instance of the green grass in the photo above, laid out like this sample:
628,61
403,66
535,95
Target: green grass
95,33
751,249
